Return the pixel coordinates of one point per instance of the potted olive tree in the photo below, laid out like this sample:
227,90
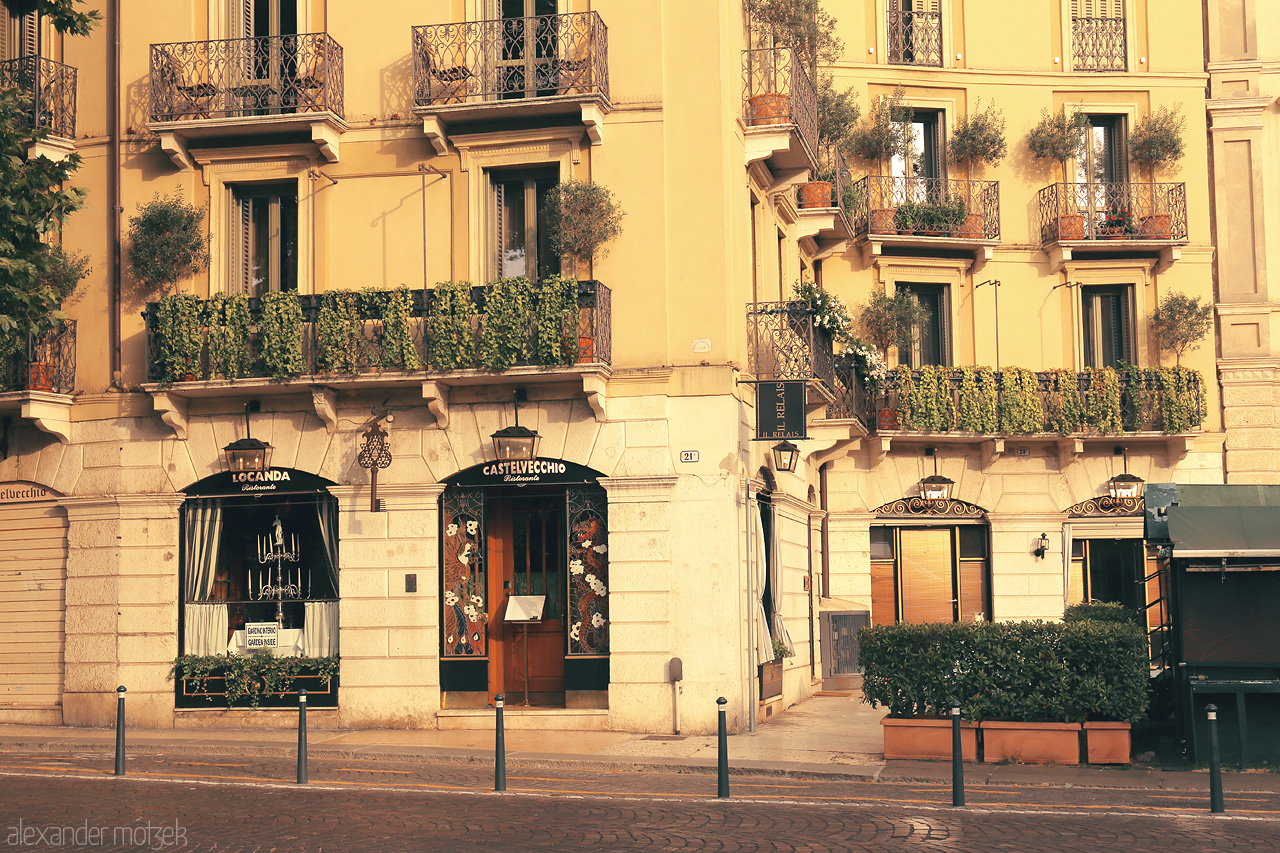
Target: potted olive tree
582,219
166,243
884,132
977,140
889,321
1060,136
1180,323
1156,140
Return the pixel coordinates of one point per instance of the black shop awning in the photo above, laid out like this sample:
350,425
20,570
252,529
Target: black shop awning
1200,532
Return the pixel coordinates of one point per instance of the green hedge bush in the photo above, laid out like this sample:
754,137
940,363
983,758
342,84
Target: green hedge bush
1102,611
1020,671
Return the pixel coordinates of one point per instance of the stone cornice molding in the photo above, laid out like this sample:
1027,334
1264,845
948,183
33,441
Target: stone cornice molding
638,489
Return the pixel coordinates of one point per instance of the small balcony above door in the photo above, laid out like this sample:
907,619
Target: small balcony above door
535,66
49,92
207,93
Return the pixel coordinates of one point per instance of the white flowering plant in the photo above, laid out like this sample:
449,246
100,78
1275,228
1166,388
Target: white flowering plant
828,311
866,361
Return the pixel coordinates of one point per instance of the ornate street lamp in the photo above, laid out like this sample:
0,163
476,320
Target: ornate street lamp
936,488
248,453
1124,485
515,443
374,455
785,456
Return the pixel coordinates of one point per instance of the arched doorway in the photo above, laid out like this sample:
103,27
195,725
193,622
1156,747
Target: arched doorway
522,538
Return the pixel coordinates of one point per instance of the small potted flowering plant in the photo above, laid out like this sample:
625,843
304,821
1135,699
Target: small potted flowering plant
1117,223
828,312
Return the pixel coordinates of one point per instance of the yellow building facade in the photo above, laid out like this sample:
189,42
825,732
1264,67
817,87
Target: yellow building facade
332,150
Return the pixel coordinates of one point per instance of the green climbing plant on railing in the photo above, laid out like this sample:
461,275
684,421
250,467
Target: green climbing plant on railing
226,321
451,338
177,340
395,308
338,331
504,336
556,317
280,330
1021,411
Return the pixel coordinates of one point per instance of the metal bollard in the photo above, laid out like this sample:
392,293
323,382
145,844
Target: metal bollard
302,737
499,748
957,756
1215,763
722,767
120,730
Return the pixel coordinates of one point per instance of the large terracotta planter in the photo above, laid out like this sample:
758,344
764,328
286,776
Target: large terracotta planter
1107,743
769,108
1158,226
926,738
815,194
971,227
1071,226
1031,743
39,376
882,222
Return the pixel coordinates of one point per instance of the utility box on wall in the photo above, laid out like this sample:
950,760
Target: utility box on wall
840,646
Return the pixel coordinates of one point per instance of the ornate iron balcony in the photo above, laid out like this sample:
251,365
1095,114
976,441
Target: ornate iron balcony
238,78
50,88
915,38
512,58
776,90
373,352
1091,402
881,206
1129,212
1098,44
46,363
783,343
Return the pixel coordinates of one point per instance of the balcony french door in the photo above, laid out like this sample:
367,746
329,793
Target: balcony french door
271,61
525,61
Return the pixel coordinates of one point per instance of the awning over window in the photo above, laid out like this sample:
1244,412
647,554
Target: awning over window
1225,531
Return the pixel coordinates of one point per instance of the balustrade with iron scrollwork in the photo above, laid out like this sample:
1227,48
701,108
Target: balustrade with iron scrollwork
511,58
47,362
248,77
50,91
1113,211
915,38
881,205
1098,44
784,343
777,90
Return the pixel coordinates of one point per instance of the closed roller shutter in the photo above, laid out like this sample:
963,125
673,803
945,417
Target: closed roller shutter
33,560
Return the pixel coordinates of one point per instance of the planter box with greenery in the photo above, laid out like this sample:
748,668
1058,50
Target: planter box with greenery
1011,672
926,739
259,680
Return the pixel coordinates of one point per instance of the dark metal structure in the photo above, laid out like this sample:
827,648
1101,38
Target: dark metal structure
51,89
592,332
777,72
1098,44
543,56
247,77
1113,211
46,363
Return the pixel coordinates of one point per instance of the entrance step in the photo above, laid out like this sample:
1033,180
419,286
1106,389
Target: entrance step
527,719
842,683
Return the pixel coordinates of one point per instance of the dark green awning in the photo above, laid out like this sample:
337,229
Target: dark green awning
1224,531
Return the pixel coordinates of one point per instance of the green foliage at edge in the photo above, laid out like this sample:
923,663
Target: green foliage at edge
250,677
280,331
504,337
556,317
178,338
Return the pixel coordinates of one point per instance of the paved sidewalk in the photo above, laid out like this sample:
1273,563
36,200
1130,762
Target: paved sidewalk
827,736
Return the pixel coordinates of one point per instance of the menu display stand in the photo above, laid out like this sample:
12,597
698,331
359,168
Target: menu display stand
524,610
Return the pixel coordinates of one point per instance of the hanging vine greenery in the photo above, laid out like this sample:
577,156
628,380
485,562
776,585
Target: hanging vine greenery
1102,401
451,340
929,405
976,410
225,317
338,331
1063,411
280,330
1021,410
1182,404
504,337
1137,398
178,339
556,315
395,309
900,384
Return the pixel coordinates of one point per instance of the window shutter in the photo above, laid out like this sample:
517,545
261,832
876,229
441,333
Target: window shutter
28,42
499,231
240,278
1124,339
944,327
242,19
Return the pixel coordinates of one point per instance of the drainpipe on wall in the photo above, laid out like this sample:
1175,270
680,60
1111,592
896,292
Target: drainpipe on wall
117,209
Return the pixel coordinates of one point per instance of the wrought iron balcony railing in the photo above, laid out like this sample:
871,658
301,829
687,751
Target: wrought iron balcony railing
776,90
833,169
511,58
46,363
915,38
851,400
240,78
374,350
925,207
1101,402
1098,44
51,89
783,343
1134,212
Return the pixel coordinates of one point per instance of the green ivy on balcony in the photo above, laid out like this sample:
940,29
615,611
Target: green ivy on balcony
1016,401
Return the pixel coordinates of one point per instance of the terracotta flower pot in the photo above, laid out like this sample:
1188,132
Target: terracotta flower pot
1031,743
1159,226
769,108
918,738
1071,227
586,349
1107,743
39,376
815,194
887,419
882,222
971,227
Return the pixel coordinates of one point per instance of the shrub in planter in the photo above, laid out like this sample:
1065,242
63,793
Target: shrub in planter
1180,323
504,337
556,316
1101,611
166,243
978,137
338,331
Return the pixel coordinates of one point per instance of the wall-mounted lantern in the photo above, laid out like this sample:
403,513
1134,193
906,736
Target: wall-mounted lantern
515,443
1042,545
248,453
785,456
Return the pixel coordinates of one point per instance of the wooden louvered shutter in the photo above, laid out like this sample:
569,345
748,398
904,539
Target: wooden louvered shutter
924,559
28,42
241,278
499,227
33,570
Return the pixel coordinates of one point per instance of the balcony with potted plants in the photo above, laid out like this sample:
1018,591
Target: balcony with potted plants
1067,409
1098,219
537,67
824,203
48,89
211,92
924,215
38,377
779,111
347,341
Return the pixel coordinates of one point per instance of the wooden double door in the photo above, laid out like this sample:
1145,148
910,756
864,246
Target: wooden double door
526,548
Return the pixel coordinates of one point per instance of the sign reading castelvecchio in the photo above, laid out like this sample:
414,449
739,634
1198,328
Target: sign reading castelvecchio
19,492
519,472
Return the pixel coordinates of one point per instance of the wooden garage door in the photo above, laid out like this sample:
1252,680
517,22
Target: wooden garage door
33,560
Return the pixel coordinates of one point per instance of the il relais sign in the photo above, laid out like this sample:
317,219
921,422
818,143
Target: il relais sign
517,472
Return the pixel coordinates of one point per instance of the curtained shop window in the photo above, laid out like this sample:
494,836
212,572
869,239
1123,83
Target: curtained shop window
771,628
226,583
